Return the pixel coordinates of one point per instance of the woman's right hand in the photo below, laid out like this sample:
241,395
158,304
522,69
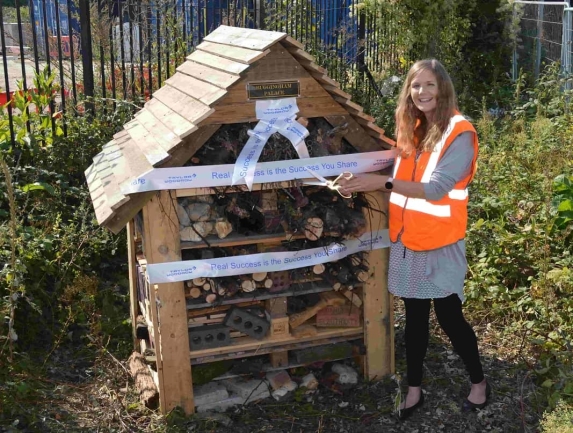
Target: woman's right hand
363,182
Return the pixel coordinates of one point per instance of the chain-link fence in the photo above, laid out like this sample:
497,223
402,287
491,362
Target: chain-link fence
544,34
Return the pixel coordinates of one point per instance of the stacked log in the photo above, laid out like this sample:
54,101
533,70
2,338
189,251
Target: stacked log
342,275
213,289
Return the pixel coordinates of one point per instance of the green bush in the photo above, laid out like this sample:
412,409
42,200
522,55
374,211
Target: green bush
560,420
51,242
519,243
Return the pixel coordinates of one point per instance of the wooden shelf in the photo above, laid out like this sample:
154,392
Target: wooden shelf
246,346
263,294
238,239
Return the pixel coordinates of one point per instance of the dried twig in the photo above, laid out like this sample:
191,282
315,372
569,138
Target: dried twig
104,349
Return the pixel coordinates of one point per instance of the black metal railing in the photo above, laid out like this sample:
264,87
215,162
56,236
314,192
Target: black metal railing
126,49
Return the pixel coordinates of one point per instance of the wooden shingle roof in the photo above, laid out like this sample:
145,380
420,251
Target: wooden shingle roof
187,111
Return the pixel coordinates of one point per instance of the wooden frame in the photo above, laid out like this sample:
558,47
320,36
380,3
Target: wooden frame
169,316
207,91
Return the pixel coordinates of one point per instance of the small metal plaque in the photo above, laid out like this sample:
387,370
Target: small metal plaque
272,90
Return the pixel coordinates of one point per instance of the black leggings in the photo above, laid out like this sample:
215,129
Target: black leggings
451,319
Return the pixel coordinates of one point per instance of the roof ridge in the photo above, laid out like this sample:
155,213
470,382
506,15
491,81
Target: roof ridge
245,38
157,135
237,54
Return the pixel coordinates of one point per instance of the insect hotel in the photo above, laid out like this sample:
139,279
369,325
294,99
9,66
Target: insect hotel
240,243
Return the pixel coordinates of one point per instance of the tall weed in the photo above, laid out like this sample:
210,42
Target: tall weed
52,240
519,247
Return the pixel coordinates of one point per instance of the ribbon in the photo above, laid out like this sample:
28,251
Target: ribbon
213,176
264,262
277,115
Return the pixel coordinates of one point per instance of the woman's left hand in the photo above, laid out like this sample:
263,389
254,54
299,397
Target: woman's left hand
362,183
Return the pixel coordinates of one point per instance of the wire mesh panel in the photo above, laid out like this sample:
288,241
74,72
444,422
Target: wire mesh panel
543,37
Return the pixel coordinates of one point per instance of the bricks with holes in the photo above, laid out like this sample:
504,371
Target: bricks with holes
250,321
208,336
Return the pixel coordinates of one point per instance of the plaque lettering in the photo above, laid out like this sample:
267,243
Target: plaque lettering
277,89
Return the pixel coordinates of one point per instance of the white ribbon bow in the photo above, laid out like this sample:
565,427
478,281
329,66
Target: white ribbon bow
276,115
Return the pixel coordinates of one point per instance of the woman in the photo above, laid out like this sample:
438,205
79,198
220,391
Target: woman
427,221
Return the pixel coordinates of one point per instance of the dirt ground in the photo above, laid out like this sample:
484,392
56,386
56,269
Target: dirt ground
95,393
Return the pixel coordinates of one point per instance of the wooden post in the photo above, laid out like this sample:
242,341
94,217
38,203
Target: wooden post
133,295
378,310
277,308
162,244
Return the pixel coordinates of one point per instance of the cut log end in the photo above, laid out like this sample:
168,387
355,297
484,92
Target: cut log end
259,276
199,281
195,292
318,269
248,286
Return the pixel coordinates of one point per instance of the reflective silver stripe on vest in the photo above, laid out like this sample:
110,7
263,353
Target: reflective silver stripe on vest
435,156
458,194
420,205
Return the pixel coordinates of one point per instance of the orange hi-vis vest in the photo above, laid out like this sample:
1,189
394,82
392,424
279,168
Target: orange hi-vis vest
426,224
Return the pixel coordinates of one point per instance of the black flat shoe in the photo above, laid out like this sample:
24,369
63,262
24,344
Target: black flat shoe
404,414
468,406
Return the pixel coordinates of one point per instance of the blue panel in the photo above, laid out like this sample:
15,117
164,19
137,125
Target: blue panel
203,16
51,18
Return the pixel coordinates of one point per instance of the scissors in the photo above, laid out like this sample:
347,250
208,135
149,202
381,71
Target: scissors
331,184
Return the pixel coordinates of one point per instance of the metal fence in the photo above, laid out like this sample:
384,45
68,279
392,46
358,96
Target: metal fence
544,36
126,49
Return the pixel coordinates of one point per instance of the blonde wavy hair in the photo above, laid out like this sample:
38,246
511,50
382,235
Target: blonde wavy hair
412,129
